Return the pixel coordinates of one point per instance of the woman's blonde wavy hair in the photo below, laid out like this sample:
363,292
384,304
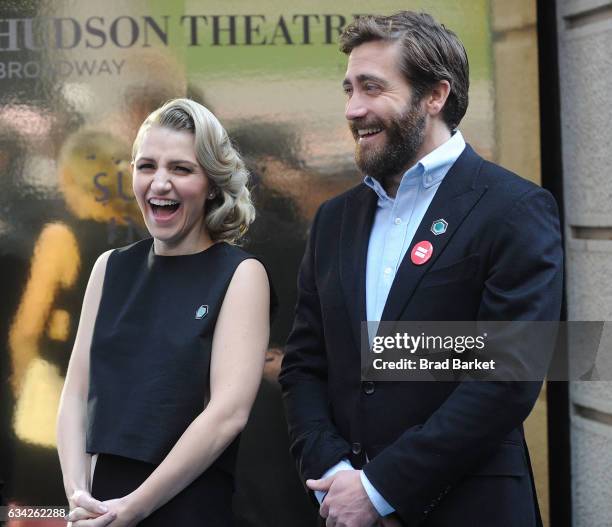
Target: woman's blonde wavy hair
230,212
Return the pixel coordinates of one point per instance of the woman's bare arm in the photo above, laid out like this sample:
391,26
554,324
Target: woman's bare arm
72,416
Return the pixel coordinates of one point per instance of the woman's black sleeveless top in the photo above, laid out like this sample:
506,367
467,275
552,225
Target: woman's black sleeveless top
151,348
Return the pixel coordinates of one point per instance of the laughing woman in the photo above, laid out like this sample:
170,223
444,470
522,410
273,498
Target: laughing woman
171,342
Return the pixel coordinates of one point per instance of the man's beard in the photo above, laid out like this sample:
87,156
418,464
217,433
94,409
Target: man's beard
405,135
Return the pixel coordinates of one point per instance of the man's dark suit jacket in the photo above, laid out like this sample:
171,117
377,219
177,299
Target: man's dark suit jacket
441,453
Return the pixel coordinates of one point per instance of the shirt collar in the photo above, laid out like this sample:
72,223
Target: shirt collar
432,168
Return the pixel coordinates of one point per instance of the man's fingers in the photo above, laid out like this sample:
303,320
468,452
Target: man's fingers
100,521
83,499
320,484
324,509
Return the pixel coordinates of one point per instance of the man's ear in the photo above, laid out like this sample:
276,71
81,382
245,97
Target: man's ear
435,100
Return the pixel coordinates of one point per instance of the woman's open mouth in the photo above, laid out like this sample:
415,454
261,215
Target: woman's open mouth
164,209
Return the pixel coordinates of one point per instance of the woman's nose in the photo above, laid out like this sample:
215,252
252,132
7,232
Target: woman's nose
161,181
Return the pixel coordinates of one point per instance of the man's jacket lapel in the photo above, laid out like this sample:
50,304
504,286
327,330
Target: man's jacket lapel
454,199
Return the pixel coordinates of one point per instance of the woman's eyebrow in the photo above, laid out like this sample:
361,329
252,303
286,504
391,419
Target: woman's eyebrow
182,161
171,162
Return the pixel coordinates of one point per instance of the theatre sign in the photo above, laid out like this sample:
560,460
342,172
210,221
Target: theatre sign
124,32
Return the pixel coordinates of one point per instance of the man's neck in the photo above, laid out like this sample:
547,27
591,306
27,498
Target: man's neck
437,135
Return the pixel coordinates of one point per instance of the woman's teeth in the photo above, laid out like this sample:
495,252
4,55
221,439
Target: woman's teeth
162,202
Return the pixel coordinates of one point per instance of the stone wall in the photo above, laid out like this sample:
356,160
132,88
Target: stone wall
585,68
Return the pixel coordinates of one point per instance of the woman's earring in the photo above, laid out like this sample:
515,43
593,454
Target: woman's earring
211,195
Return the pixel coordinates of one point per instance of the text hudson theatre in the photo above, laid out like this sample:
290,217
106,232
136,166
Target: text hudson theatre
97,32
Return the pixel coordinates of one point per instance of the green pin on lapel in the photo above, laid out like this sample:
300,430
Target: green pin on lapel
439,226
201,312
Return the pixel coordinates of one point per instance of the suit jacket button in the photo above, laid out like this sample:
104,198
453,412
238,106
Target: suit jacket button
356,448
368,387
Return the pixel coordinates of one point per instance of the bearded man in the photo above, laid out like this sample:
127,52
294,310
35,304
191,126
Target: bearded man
434,233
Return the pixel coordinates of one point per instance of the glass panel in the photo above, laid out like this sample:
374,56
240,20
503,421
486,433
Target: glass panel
78,78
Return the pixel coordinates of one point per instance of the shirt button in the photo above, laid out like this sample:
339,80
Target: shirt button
368,387
356,448
388,270
398,221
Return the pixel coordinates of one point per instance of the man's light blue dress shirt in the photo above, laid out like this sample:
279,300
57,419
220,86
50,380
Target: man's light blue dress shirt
395,222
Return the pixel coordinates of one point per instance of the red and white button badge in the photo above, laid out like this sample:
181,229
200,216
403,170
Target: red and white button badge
421,252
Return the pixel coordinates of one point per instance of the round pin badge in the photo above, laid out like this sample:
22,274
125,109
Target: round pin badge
421,252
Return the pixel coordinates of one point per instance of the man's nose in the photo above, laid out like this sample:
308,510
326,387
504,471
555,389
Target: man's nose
355,108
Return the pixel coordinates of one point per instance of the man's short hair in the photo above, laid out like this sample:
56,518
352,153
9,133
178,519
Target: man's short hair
429,53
